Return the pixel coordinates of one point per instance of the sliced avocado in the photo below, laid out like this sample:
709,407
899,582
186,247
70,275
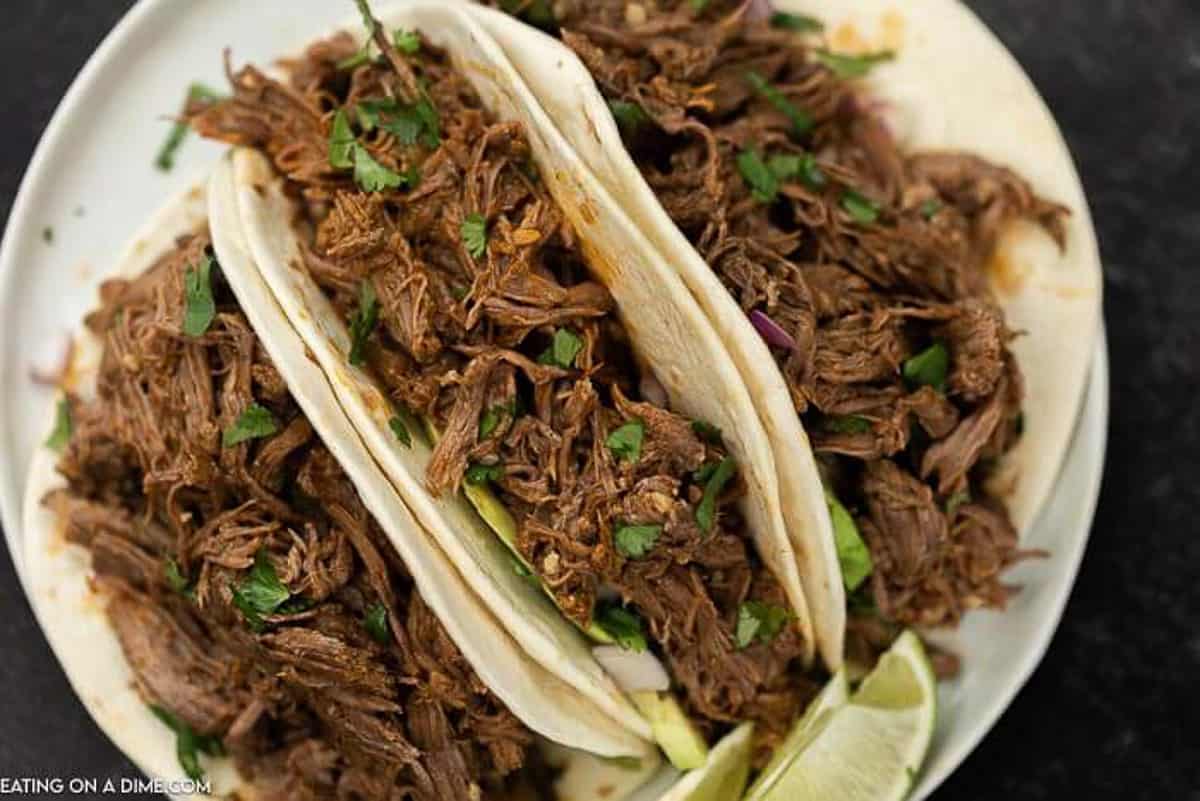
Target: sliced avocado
674,732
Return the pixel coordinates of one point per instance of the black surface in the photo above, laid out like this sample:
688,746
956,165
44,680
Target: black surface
1112,711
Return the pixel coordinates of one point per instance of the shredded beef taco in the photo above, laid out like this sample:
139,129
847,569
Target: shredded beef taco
531,375
879,216
235,590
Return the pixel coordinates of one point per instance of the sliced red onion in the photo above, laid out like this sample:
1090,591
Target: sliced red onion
758,10
651,389
633,672
771,331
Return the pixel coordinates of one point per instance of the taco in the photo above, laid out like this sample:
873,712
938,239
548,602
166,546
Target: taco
578,442
232,586
879,216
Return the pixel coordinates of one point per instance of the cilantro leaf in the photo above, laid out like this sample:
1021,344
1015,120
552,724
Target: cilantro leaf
483,473
376,624
188,744
261,593
374,177
63,426
635,541
563,349
536,12
254,423
363,322
930,208
175,578
800,23
625,627
759,622
626,442
861,208
165,160
199,308
707,432
802,121
853,555
341,142
956,500
847,424
408,42
788,166
630,117
845,65
706,512
491,418
409,124
474,235
400,430
928,368
763,183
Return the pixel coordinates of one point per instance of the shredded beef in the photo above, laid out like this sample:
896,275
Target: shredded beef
307,700
860,298
471,343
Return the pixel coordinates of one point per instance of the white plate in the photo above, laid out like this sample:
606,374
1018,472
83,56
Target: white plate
92,180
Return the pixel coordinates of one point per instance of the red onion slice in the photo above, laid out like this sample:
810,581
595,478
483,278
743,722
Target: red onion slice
771,332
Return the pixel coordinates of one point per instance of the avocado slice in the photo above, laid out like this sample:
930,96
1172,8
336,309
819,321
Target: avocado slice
674,732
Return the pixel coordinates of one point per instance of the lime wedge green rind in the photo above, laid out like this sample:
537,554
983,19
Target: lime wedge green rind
674,732
724,774
870,748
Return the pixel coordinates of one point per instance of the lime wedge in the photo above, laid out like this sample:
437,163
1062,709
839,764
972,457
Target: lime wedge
723,775
866,749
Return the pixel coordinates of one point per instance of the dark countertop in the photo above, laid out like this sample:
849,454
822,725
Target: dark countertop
1106,714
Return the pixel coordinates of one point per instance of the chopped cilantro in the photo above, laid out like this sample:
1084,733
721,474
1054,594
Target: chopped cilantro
853,556
626,442
341,142
175,579
61,434
928,368
759,622
199,308
706,512
408,42
483,473
363,322
563,349
400,430
956,500
376,624
537,13
409,124
852,66
492,417
374,177
630,117
847,424
801,23
254,423
624,626
805,167
261,593
802,121
475,234
707,432
930,208
763,183
635,541
165,159
861,208
188,744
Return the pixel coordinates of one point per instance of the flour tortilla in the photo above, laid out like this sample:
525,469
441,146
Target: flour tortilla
72,613
669,328
952,86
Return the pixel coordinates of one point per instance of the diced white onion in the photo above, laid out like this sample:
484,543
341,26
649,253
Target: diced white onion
633,672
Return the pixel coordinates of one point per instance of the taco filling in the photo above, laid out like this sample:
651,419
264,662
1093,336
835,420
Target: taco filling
862,266
260,606
468,299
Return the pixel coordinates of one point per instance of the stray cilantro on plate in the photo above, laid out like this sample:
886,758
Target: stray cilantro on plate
199,308
759,622
255,422
197,92
635,541
845,65
363,322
